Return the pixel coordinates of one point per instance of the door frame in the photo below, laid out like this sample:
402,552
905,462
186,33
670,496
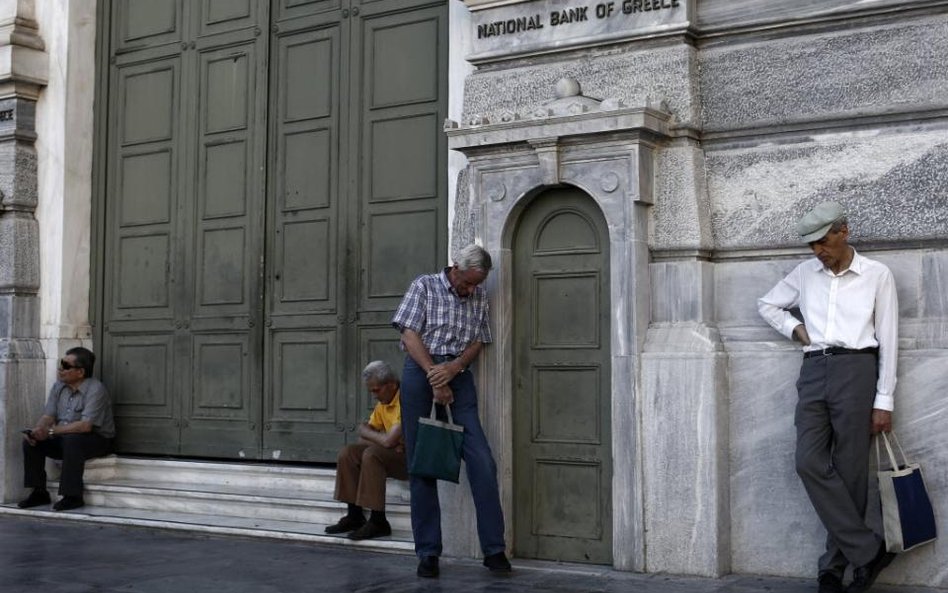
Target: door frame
612,160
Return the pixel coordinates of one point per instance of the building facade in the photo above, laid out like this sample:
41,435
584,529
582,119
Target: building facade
226,200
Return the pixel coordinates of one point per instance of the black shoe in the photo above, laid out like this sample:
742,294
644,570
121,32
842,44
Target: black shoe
68,503
865,576
347,523
497,562
830,583
36,498
371,529
428,567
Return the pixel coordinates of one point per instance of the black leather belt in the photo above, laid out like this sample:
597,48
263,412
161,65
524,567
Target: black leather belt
837,350
443,357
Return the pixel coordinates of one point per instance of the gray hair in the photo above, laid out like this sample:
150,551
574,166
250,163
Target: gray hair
838,224
380,372
473,257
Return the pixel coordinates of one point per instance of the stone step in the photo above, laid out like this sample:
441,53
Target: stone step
398,542
208,476
267,500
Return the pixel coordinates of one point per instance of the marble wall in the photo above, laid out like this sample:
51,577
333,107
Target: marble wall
773,528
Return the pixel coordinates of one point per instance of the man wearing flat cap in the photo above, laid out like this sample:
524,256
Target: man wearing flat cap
849,332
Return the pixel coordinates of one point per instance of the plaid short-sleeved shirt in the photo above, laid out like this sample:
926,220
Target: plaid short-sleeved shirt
446,322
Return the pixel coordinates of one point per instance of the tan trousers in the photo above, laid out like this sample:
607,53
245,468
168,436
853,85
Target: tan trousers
361,473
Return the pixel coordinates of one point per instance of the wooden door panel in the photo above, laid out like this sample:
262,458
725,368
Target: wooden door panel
560,417
401,151
305,390
144,24
403,156
296,12
139,369
405,70
567,310
221,376
140,296
220,16
398,248
562,404
563,514
303,416
305,267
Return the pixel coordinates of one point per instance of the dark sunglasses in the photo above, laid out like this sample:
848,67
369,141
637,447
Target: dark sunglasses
65,366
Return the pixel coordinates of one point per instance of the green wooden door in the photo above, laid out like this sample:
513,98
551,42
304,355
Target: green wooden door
183,225
562,436
263,216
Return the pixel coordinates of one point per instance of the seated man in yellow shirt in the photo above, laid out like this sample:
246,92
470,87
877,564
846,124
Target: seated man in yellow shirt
379,454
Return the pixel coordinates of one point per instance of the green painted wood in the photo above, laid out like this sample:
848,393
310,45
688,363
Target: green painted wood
562,398
275,178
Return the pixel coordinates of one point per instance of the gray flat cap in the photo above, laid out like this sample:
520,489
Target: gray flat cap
817,222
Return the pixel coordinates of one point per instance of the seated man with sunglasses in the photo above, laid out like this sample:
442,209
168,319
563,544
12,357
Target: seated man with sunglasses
75,426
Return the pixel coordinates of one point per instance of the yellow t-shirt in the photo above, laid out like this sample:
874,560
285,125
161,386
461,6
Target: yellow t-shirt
385,416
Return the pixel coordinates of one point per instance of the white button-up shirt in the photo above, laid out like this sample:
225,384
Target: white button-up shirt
857,308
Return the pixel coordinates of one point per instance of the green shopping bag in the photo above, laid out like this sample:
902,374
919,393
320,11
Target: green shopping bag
437,452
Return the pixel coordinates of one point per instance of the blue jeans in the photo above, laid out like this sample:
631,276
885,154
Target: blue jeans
481,470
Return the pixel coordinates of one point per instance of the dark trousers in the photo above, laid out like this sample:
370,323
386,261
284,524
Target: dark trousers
478,460
833,419
73,450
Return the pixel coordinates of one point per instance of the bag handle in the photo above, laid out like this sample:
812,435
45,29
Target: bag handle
434,416
894,464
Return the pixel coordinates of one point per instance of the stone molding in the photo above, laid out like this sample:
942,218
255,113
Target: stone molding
23,74
23,60
605,149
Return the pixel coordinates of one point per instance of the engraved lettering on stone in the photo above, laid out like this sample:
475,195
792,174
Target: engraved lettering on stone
524,23
572,15
6,115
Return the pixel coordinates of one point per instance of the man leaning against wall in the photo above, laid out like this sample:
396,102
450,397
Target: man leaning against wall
849,334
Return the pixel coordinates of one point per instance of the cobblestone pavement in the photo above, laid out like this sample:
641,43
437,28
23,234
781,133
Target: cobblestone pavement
51,556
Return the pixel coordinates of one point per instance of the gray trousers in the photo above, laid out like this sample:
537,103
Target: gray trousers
833,420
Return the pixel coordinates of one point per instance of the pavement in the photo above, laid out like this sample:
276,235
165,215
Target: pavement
56,556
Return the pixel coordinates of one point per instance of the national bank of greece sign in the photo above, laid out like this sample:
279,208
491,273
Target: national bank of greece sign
544,25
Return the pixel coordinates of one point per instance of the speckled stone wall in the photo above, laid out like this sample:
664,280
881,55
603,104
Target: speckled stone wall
663,72
809,77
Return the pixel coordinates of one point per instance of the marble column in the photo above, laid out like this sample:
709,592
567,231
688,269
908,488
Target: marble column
22,76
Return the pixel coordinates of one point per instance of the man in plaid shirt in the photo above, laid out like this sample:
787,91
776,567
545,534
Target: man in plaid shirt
443,319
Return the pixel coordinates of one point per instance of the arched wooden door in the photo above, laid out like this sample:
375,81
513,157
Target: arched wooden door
562,387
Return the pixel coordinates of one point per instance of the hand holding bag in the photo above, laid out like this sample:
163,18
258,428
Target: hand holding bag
907,513
437,452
